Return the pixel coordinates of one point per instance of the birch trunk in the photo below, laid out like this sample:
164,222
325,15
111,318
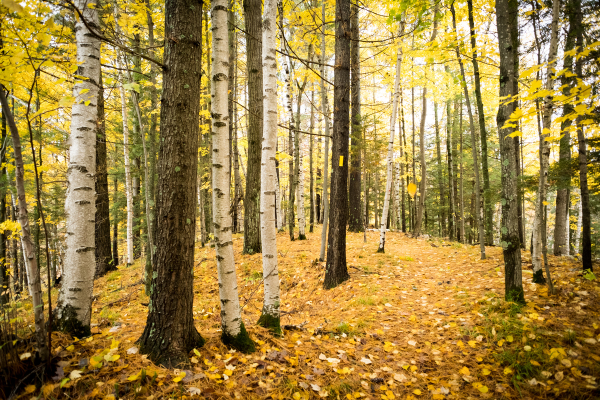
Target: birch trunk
74,307
579,224
31,266
233,332
536,257
325,111
390,155
301,211
397,194
270,317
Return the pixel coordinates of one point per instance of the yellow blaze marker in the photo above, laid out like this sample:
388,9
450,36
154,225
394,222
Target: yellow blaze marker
341,161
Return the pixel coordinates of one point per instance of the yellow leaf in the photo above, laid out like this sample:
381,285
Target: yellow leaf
464,371
472,343
228,372
507,371
30,388
483,389
71,348
485,371
390,395
417,392
296,396
500,342
533,362
412,318
196,352
179,377
412,189
509,338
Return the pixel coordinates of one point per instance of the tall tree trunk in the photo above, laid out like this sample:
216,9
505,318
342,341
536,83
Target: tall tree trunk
5,286
170,333
151,184
126,162
270,317
439,173
310,160
461,171
355,223
586,232
390,155
336,270
487,194
74,307
561,225
544,152
451,185
30,262
403,162
233,332
103,254
291,128
325,111
507,20
477,187
253,15
298,156
115,243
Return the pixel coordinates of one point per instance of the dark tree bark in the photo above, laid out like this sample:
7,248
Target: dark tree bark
403,160
253,18
440,168
115,240
170,332
310,158
487,195
4,276
355,223
507,19
586,232
104,261
336,270
561,226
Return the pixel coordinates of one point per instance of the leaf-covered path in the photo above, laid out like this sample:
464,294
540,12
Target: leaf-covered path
425,320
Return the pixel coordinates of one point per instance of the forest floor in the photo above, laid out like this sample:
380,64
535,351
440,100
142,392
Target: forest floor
425,320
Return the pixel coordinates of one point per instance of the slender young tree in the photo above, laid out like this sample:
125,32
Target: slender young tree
489,233
32,270
440,168
74,307
170,333
544,153
586,229
390,155
561,225
310,160
336,270
270,316
127,164
507,20
253,16
476,214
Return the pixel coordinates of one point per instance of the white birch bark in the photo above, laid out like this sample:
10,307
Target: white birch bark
536,257
278,205
300,195
325,110
397,193
80,208
231,321
390,156
268,179
31,266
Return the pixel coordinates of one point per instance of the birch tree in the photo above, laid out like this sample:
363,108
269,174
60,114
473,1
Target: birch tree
74,307
270,316
390,155
301,212
31,265
233,331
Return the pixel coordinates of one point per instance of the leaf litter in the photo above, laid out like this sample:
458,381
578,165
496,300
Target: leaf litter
425,320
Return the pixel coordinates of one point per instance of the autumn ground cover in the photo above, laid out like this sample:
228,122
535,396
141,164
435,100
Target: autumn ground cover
425,320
